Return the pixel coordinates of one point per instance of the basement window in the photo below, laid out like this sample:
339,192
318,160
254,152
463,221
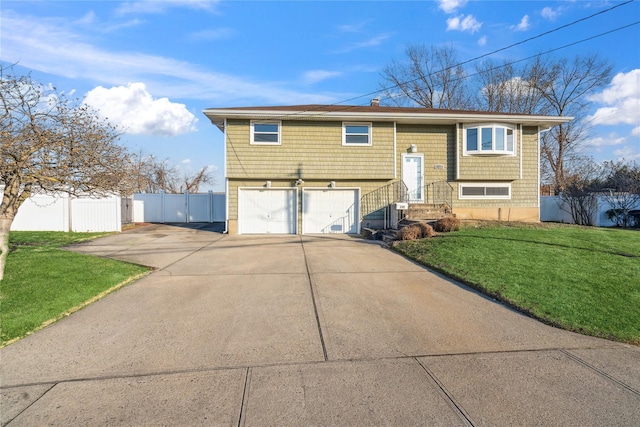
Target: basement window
265,133
485,191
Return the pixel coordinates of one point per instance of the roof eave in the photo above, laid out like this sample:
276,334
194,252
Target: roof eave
217,117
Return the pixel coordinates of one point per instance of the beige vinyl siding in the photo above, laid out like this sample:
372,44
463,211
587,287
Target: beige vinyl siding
488,167
436,142
524,192
309,150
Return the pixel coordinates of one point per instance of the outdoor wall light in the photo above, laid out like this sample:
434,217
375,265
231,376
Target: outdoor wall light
413,148
268,184
299,181
332,184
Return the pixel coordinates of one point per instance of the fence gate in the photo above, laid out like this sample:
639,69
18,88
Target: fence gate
179,208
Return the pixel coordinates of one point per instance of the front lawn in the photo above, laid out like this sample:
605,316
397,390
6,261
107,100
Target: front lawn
43,283
579,278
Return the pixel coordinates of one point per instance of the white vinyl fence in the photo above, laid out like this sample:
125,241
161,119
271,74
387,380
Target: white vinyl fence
553,209
179,208
61,212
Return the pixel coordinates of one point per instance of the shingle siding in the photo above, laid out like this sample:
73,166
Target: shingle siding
524,191
436,143
309,150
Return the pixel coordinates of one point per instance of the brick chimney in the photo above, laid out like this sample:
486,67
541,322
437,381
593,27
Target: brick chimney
375,102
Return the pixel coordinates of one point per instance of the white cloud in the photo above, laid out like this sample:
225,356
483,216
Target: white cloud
156,6
627,153
315,76
550,13
209,35
482,41
463,23
352,28
450,6
133,109
372,42
610,140
523,25
621,101
51,46
88,19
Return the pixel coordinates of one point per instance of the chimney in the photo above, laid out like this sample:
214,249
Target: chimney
375,102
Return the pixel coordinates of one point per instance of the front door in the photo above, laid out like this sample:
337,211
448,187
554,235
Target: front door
413,176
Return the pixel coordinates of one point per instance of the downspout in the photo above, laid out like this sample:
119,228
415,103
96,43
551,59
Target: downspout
395,152
226,181
519,128
457,151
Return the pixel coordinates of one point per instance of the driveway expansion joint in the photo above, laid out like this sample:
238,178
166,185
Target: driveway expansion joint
455,405
599,371
313,300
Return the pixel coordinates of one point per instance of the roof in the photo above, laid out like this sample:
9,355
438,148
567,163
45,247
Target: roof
319,112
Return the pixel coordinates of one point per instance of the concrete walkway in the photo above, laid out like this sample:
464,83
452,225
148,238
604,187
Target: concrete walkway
304,331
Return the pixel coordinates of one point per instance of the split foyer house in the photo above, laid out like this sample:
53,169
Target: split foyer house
333,169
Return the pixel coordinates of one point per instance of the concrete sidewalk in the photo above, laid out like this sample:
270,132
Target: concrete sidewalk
304,330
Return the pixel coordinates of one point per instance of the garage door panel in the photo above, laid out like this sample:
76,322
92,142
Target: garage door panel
267,211
330,211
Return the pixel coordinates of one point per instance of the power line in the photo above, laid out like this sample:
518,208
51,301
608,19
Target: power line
522,59
346,107
510,46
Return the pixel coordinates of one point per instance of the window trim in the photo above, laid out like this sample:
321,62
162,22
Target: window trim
480,127
369,126
266,122
484,185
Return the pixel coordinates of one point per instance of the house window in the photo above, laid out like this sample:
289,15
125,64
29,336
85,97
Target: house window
485,191
489,139
265,133
358,134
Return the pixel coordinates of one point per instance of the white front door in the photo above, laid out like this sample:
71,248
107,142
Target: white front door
413,176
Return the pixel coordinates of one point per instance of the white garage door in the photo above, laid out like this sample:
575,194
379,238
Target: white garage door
329,210
267,210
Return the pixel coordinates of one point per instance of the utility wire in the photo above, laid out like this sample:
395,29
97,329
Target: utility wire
346,107
518,60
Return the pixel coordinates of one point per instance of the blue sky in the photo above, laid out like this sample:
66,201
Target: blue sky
153,66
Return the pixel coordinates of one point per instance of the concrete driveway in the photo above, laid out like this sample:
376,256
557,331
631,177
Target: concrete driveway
304,330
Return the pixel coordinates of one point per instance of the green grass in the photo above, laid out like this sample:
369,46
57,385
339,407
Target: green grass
43,283
578,278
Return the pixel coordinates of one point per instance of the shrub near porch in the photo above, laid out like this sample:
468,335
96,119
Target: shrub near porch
578,278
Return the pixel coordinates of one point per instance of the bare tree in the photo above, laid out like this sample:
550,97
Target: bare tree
431,78
622,192
508,88
52,144
152,175
193,182
565,88
580,191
